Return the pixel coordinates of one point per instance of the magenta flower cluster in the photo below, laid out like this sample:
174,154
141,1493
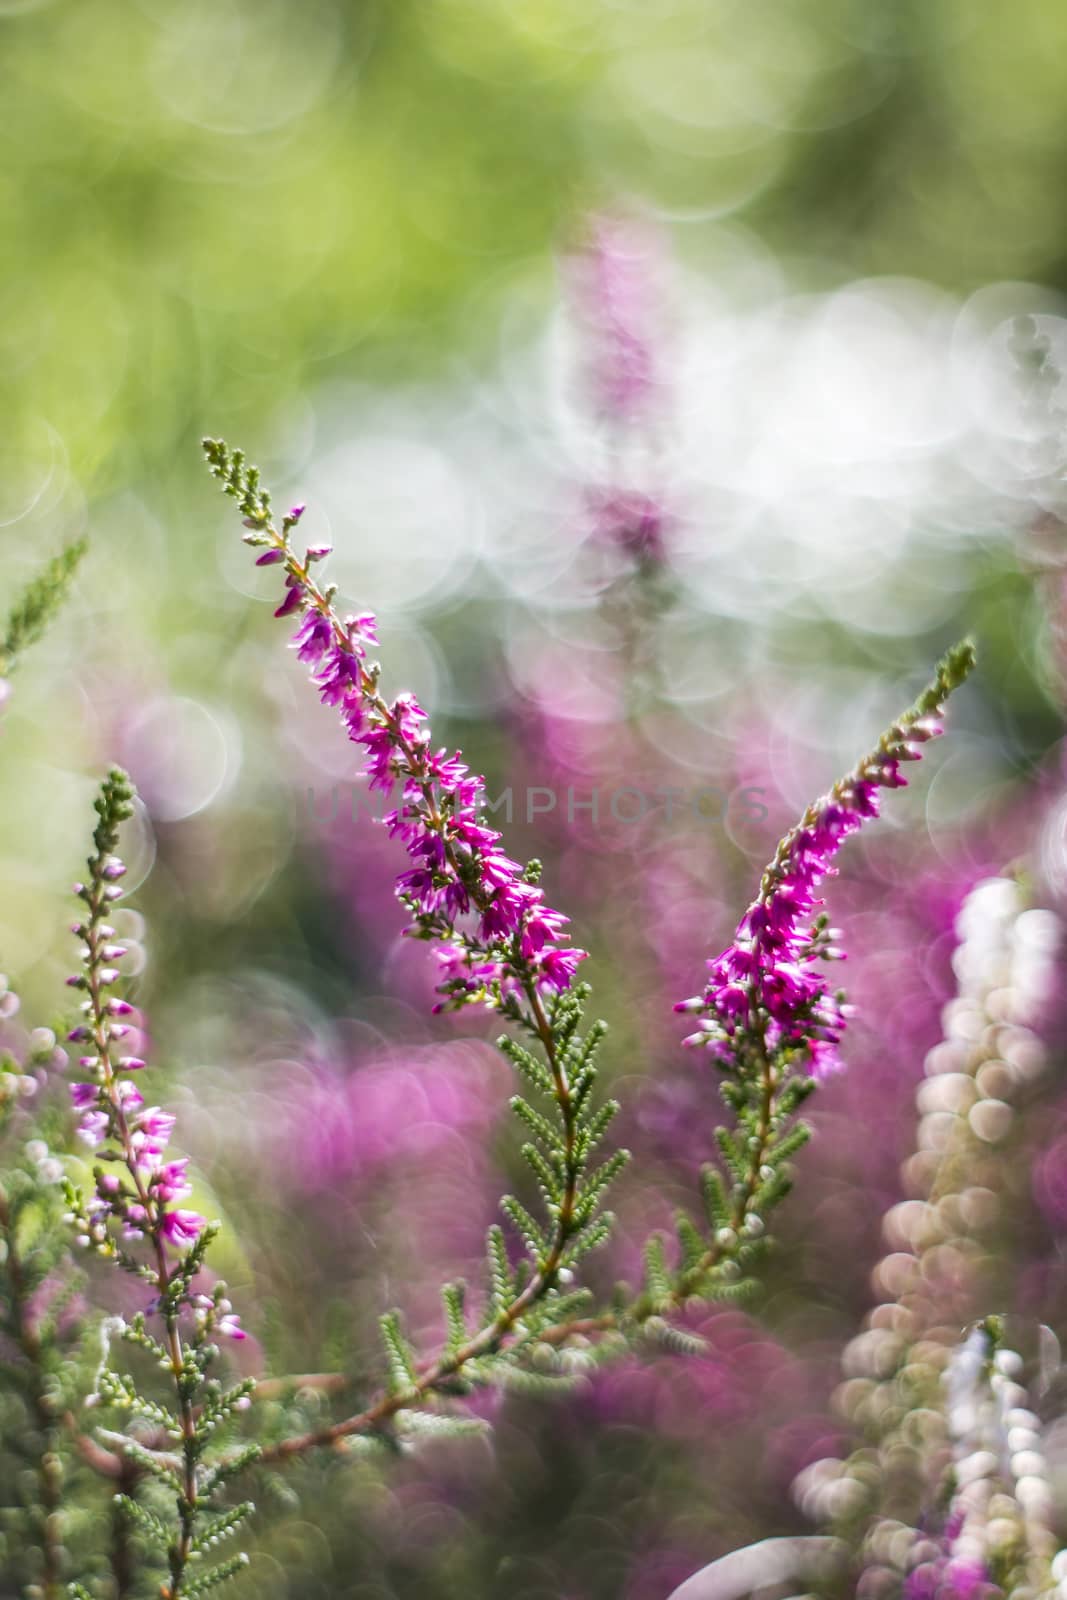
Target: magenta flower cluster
111,1107
488,918
949,1577
768,990
630,519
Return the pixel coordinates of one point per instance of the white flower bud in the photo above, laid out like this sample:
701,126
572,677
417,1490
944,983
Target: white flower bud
990,1120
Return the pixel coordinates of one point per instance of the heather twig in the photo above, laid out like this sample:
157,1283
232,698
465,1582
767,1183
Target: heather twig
38,603
137,1205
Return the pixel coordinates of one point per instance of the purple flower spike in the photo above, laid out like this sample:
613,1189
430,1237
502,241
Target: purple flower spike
463,892
768,994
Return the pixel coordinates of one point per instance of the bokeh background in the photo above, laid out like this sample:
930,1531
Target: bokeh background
401,251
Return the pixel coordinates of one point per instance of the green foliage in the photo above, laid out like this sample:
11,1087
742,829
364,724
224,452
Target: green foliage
533,1236
240,480
438,1425
715,1202
222,1526
453,1296
501,1277
38,604
399,1357
658,1285
169,1518
668,1336
527,1300
531,1068
120,1390
691,1245
591,1238
164,1467
231,1466
217,1576
566,1129
39,1334
153,1528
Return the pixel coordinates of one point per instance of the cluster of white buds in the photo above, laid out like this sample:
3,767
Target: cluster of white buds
904,1374
999,1525
1022,1514
981,1524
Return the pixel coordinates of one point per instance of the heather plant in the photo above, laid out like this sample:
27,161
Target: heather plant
332,219
768,1015
769,1023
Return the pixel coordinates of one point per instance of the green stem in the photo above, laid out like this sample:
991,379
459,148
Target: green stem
493,1335
101,1032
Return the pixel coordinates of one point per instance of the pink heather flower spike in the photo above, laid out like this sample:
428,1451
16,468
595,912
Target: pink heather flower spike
496,939
613,293
767,994
140,1204
612,280
111,1106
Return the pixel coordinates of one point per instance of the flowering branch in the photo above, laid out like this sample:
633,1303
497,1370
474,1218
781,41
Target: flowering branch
771,1025
139,1205
497,944
770,1020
